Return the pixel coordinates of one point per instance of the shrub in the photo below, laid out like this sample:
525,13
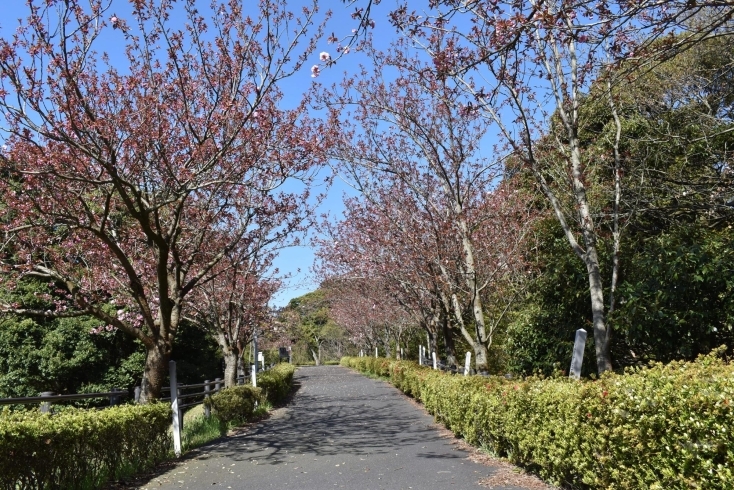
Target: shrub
80,448
236,404
276,383
660,427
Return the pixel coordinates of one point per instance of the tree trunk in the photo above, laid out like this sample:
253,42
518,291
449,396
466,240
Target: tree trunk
481,358
432,347
596,291
156,370
240,365
448,339
316,357
388,350
230,368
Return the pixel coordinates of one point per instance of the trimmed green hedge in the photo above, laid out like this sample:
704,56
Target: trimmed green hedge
237,404
276,383
80,448
662,427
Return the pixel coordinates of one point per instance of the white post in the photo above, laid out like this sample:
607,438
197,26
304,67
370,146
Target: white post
261,358
174,408
467,364
401,354
435,366
253,374
578,354
420,355
375,351
207,390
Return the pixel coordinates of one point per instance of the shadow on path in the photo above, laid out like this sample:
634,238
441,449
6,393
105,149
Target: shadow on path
341,430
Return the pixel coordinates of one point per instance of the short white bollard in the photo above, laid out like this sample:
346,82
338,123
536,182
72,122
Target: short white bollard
467,364
435,366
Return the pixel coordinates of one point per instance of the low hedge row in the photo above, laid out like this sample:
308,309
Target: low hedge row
237,404
661,427
80,448
276,383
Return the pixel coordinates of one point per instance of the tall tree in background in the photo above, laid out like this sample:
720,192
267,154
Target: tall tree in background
119,179
308,320
533,61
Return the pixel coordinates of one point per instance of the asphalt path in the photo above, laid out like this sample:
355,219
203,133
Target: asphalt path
341,430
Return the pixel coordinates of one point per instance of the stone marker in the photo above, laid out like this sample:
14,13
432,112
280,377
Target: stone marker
467,364
420,355
435,366
578,354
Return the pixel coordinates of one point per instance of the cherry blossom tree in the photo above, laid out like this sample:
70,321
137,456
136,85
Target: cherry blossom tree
233,305
528,66
127,184
371,316
419,138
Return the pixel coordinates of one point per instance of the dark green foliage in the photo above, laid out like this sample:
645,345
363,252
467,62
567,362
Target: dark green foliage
663,427
63,357
674,301
542,326
197,355
677,297
80,448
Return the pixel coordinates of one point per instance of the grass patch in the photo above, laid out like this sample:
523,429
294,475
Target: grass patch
262,410
199,430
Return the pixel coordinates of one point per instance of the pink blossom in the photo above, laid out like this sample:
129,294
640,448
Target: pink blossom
346,50
315,71
324,56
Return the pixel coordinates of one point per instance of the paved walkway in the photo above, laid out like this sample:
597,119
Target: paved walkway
342,430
